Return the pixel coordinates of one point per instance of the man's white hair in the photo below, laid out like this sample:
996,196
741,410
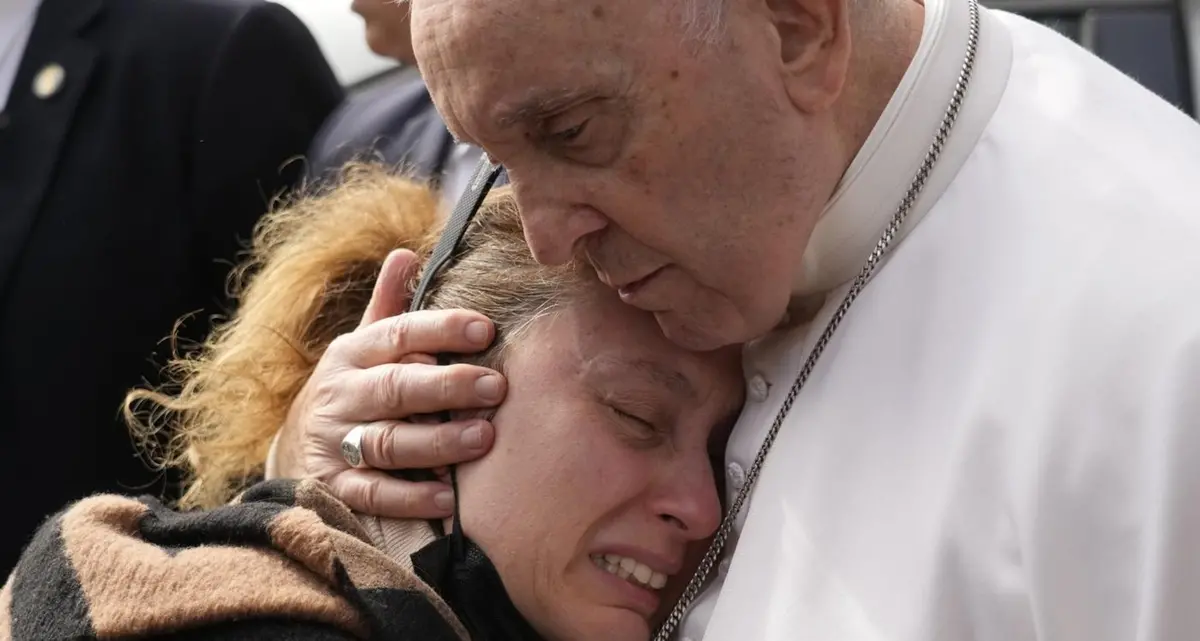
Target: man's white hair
704,20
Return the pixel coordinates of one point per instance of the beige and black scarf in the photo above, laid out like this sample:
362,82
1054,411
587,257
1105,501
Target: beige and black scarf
285,561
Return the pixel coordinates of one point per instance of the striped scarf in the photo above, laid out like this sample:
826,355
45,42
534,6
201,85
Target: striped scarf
286,560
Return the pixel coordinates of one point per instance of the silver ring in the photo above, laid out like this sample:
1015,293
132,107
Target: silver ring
352,447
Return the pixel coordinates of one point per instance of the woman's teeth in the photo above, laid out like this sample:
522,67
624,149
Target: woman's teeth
631,570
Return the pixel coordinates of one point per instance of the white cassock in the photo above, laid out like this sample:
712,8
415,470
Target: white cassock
1002,441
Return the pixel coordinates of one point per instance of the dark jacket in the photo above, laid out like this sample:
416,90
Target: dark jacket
392,121
123,197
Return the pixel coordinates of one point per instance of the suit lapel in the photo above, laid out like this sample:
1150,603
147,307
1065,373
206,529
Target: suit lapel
53,74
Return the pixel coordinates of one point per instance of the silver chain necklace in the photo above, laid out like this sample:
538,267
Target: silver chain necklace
873,261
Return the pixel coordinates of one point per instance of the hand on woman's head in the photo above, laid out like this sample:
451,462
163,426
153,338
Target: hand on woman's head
311,350
378,376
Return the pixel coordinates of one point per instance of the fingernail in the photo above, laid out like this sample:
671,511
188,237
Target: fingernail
472,437
444,500
477,332
488,387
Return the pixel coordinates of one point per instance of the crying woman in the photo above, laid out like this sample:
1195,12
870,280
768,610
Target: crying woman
583,523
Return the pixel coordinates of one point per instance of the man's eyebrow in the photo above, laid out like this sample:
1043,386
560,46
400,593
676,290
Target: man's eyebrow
539,105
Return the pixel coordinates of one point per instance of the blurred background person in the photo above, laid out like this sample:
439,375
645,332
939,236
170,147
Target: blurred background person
393,120
139,141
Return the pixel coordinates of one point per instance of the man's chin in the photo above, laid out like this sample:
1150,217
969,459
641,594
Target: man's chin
694,336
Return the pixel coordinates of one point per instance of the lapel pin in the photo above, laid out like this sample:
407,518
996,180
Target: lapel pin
49,80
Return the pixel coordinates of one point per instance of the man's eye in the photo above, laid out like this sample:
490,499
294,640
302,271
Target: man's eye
631,417
571,134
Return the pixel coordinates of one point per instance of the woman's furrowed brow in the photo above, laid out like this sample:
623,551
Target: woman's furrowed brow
657,373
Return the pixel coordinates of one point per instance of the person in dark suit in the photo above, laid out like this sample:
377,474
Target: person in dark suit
393,121
139,143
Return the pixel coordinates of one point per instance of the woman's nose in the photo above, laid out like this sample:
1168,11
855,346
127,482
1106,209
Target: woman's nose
689,500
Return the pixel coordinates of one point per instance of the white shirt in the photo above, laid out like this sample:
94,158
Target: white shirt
16,23
1002,440
460,166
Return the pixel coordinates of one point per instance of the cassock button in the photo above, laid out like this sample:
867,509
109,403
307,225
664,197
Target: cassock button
737,476
758,388
49,80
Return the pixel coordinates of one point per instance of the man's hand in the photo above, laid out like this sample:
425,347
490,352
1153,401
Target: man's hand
378,376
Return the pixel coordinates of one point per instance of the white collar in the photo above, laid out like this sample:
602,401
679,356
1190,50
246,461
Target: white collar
16,23
873,186
16,16
13,11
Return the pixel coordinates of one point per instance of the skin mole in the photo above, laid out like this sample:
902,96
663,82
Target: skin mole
598,12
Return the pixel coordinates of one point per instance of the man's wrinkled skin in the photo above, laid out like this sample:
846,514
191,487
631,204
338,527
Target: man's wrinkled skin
689,175
690,172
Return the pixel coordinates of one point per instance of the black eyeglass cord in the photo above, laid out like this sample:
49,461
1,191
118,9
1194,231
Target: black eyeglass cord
444,255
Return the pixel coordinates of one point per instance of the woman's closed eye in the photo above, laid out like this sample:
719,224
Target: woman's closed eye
644,430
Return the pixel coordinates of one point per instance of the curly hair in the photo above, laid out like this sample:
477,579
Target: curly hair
308,278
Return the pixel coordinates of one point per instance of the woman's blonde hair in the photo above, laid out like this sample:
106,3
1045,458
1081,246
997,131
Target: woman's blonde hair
308,278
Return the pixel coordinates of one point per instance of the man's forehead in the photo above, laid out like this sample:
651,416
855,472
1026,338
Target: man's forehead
473,16
495,66
464,26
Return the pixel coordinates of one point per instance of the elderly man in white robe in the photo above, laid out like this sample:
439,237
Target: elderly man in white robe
962,252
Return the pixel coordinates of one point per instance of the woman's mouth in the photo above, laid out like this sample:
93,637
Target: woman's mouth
631,570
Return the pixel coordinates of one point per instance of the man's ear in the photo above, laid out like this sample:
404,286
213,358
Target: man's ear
814,49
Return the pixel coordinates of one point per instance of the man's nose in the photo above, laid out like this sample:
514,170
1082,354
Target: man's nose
688,500
554,231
